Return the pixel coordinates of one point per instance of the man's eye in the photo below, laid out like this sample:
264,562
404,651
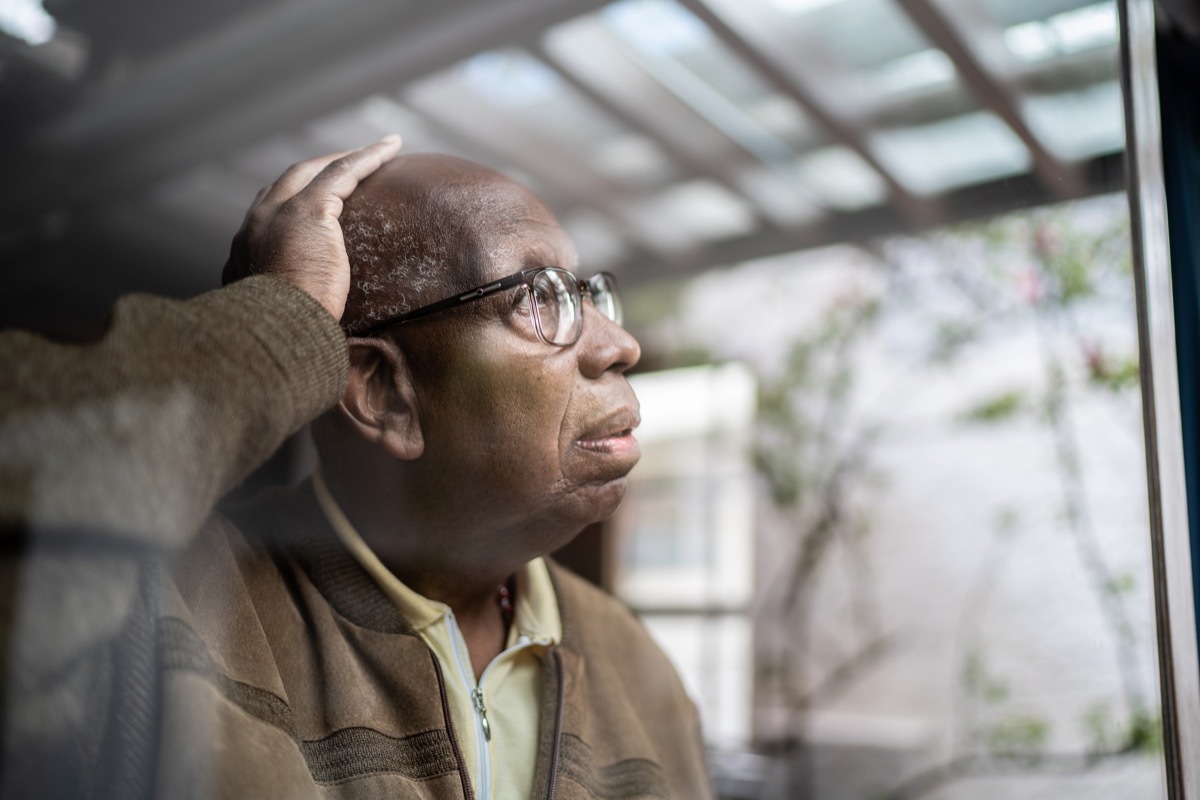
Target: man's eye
542,296
522,315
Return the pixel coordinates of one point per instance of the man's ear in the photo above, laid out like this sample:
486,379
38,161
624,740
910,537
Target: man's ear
380,400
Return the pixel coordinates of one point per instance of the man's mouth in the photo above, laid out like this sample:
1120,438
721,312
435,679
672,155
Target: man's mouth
614,435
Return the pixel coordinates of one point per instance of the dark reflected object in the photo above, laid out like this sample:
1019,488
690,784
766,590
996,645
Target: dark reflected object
589,556
1186,15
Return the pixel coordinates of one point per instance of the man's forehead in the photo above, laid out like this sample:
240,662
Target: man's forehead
545,245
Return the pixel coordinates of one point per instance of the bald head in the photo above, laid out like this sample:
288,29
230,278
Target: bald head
420,228
467,443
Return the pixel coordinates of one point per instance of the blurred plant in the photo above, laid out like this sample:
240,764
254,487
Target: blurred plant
1040,273
814,454
1041,270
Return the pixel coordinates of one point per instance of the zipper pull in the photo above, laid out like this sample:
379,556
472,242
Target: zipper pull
477,699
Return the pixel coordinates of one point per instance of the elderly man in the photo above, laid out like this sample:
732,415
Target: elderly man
390,627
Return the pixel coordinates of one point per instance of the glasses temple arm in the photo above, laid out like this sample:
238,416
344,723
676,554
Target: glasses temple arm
478,293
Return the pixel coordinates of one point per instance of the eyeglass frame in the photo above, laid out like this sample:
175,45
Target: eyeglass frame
522,278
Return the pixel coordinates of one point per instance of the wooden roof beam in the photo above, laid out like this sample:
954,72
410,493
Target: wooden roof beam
1100,175
235,86
696,166
452,109
1063,180
920,211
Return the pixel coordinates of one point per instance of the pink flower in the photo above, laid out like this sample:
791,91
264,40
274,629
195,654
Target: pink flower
1046,242
1031,286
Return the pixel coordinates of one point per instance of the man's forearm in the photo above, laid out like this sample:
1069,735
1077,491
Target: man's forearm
139,434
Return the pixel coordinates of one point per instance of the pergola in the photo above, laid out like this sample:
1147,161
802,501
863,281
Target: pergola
669,135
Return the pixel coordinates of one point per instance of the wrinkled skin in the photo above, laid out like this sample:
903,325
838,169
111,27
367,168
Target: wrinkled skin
528,426
466,446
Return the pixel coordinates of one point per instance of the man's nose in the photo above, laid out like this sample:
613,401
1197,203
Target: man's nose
605,346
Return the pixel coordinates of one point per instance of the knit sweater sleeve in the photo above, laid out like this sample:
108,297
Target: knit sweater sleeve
137,435
112,456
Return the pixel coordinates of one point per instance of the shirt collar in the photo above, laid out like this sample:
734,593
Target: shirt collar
535,613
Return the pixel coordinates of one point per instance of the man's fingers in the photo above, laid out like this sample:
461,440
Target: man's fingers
296,177
340,176
291,228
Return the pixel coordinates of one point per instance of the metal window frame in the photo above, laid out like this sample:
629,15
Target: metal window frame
1179,664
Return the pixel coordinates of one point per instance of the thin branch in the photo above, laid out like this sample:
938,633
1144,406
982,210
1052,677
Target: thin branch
993,765
867,656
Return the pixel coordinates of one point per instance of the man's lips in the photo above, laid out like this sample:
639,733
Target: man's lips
612,435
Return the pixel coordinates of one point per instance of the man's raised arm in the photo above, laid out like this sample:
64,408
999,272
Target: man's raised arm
114,453
137,436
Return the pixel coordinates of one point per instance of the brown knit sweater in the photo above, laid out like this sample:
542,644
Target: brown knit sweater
154,649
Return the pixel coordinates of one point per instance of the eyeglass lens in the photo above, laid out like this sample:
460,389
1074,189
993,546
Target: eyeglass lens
604,296
558,306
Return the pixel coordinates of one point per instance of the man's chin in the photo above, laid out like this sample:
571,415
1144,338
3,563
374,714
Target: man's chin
609,498
593,465
595,501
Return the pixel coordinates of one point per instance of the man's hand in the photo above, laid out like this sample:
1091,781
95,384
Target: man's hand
292,229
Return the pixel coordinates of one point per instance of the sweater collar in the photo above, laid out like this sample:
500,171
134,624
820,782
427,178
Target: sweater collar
536,614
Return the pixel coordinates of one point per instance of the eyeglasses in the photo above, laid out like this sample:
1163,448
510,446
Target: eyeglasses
555,298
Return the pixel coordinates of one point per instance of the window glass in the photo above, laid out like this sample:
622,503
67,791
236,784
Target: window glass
951,593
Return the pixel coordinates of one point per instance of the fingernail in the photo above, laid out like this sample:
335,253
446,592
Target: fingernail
390,138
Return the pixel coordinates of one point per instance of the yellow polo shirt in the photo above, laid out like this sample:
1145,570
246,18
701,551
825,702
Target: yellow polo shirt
510,690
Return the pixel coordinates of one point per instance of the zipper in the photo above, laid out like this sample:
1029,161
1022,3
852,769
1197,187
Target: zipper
481,710
454,745
556,746
483,730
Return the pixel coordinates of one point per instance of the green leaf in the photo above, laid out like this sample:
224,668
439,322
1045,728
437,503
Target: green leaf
996,408
1145,732
1018,735
1099,723
1120,584
950,337
1112,374
995,691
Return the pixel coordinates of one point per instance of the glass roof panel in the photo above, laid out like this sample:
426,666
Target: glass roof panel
684,55
563,169
1080,124
662,64
802,6
921,70
864,59
598,241
863,34
386,115
950,153
785,201
840,179
1007,13
517,84
1075,31
587,48
701,211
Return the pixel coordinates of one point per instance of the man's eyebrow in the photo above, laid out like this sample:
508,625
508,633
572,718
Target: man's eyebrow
546,254
539,255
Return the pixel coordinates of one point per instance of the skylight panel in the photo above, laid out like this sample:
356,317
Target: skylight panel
1064,34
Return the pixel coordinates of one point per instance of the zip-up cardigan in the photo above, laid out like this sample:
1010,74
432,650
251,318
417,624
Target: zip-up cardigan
151,648
305,652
